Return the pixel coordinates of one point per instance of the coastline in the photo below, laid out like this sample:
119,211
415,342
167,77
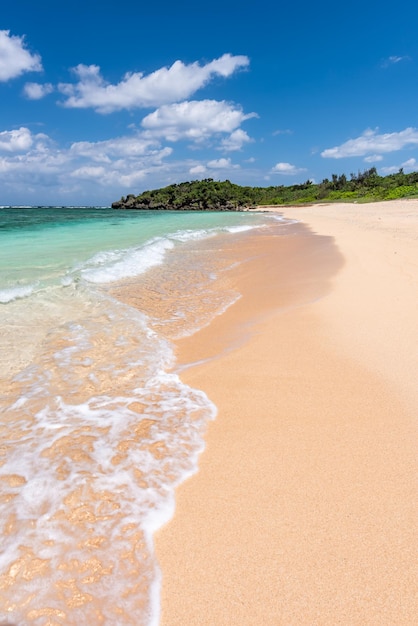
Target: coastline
303,508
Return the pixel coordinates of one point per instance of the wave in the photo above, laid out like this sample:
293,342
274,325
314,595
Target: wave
99,433
125,264
15,293
113,265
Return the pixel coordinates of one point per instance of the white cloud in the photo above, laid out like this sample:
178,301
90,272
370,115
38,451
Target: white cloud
116,164
394,60
36,91
15,59
132,146
194,120
222,164
122,160
165,85
288,169
410,165
235,141
371,141
89,172
197,169
107,177
286,131
19,140
373,158
33,159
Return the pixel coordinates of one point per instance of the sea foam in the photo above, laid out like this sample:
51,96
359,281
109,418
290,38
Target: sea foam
15,293
99,429
97,440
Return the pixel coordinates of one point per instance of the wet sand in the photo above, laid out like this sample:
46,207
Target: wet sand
304,509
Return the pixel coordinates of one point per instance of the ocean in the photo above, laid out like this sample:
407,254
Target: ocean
96,427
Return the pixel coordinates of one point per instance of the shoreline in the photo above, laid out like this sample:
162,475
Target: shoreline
303,508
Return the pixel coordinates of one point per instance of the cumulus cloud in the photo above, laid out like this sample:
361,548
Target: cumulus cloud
15,58
392,169
198,169
93,171
288,169
371,142
107,177
221,164
373,158
165,85
89,172
37,91
19,140
122,160
410,165
236,140
194,120
132,146
27,158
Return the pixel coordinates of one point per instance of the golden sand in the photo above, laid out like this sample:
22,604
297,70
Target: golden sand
304,510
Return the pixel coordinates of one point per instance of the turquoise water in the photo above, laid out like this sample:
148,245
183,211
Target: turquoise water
43,246
96,427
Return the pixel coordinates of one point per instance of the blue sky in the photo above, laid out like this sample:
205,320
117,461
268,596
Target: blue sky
98,100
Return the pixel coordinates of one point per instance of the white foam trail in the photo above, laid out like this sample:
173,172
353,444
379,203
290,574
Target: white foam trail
113,265
14,293
96,364
242,228
175,415
196,235
128,263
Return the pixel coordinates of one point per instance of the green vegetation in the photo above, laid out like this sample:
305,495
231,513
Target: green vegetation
213,195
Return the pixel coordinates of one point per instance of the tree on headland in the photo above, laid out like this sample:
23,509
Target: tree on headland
211,195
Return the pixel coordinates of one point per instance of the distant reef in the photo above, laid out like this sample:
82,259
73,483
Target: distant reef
211,195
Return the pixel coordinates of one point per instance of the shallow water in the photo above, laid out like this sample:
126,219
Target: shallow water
96,428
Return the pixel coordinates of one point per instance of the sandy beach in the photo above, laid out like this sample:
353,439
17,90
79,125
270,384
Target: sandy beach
304,509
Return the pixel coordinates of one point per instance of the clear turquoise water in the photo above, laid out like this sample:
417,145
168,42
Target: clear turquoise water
42,246
96,427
